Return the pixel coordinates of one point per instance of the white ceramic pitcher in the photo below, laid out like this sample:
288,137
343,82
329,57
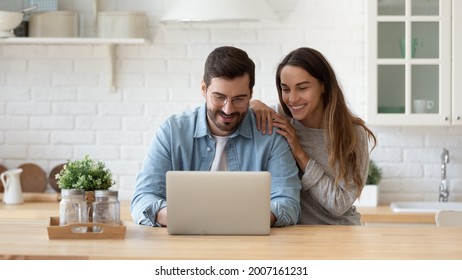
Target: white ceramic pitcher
12,186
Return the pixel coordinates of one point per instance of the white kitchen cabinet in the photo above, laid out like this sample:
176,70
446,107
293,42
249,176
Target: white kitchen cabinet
411,79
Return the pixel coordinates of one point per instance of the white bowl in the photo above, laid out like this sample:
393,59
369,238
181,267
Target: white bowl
8,22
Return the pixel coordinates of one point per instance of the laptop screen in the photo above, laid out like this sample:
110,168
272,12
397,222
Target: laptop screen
218,202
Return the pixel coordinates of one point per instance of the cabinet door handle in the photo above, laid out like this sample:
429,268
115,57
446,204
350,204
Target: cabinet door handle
458,118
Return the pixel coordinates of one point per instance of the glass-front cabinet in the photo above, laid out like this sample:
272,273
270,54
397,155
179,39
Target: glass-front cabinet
457,62
409,62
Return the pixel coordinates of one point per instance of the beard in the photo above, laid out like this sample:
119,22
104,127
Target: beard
225,123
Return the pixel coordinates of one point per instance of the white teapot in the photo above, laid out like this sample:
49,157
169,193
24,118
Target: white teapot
12,185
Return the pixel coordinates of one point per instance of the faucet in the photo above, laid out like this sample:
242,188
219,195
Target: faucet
444,192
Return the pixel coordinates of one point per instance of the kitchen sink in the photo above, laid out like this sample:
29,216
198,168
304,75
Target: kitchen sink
424,207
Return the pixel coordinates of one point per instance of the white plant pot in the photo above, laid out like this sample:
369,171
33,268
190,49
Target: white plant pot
369,197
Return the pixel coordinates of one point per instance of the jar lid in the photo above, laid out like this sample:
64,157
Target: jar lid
99,193
72,192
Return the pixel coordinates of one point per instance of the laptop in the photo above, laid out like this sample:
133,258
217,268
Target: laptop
218,202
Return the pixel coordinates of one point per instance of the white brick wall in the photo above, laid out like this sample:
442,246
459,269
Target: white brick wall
56,103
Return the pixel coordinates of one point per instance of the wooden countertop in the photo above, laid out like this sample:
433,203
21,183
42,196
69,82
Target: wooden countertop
28,239
45,210
384,214
23,235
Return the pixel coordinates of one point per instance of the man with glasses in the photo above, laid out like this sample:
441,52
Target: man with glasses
221,135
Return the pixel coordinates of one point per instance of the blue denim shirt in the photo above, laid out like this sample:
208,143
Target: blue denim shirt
184,142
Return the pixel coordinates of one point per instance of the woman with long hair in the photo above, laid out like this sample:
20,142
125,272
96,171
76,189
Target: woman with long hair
329,143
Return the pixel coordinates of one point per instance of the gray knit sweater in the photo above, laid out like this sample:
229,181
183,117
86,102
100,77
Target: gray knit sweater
321,201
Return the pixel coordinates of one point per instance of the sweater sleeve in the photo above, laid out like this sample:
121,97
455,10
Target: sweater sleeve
336,199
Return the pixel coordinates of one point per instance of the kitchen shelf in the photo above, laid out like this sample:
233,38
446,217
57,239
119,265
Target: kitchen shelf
73,41
109,42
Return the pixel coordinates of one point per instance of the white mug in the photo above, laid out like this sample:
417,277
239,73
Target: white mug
422,105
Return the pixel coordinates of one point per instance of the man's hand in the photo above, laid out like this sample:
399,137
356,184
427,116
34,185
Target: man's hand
272,219
161,216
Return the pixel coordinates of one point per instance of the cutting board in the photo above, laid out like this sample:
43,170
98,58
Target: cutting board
33,178
52,177
2,169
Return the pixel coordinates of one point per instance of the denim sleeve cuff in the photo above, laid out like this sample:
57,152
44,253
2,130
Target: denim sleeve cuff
151,212
282,217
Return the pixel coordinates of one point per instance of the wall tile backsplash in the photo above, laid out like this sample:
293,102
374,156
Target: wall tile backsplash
56,102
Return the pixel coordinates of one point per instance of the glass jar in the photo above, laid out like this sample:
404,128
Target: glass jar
106,208
73,208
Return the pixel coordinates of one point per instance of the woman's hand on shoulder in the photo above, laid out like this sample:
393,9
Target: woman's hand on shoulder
286,129
263,115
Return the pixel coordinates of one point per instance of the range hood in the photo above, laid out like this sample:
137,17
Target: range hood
219,11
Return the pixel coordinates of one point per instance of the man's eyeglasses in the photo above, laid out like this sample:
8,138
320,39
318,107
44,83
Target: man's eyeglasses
221,100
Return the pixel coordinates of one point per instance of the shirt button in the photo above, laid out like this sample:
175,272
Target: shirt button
208,149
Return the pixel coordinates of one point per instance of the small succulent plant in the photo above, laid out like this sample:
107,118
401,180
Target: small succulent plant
85,174
375,174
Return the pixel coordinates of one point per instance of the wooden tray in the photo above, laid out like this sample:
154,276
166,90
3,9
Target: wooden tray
55,231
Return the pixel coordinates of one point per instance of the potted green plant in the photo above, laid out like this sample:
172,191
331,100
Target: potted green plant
369,194
375,174
85,174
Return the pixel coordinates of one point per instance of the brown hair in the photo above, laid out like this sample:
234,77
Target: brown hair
229,62
341,138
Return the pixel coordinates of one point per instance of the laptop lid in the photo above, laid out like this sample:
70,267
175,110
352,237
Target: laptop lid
218,202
